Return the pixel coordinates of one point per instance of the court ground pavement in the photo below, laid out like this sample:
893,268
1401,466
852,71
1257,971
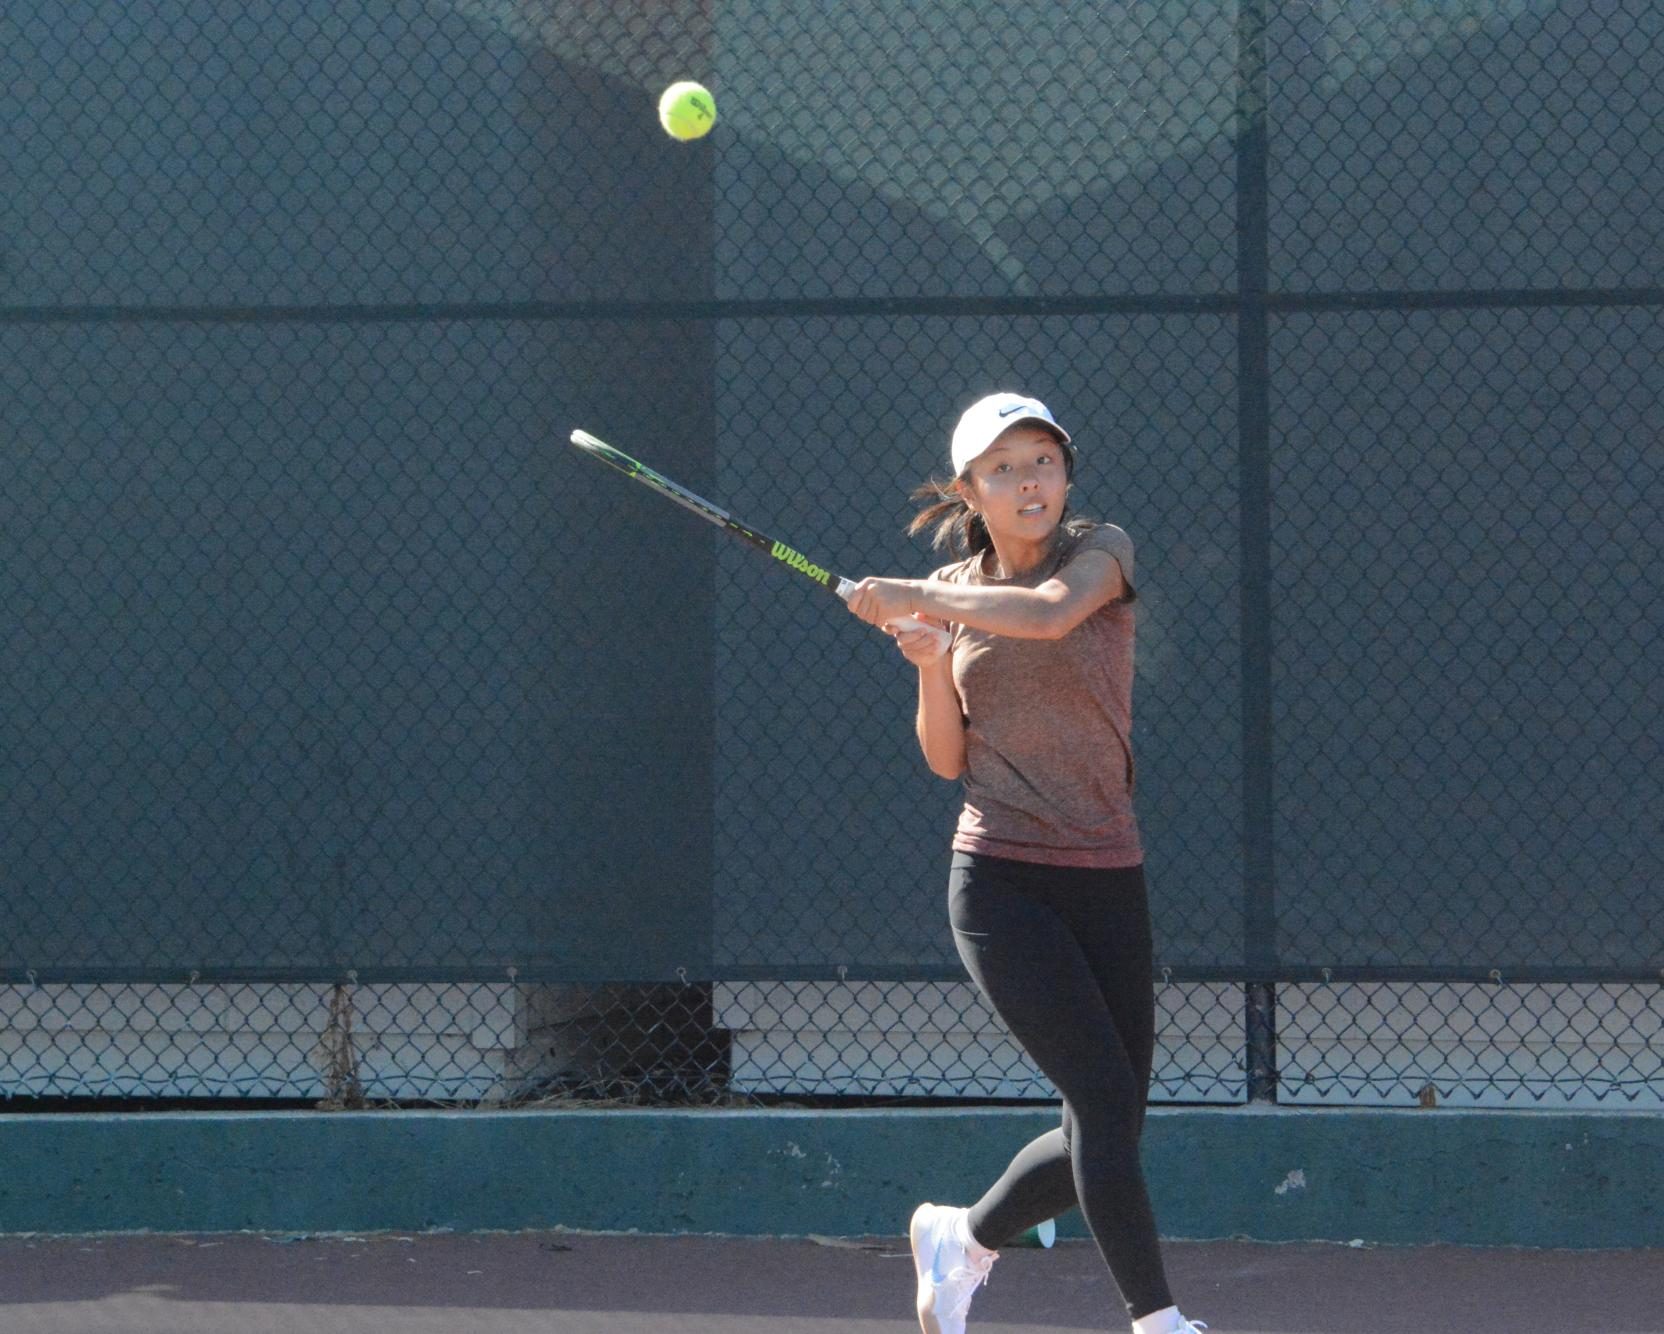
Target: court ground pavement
580,1283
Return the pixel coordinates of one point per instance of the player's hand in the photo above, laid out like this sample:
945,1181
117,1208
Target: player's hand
876,601
924,645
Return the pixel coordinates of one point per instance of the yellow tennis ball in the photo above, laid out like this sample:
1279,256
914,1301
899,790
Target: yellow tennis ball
687,110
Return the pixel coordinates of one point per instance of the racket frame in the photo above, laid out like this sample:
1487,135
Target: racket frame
711,512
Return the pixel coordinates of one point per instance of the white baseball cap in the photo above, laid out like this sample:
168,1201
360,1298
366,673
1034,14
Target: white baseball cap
981,424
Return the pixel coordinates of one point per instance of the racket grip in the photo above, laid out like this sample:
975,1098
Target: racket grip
846,589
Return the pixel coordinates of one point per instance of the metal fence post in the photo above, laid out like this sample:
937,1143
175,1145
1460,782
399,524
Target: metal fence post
1254,464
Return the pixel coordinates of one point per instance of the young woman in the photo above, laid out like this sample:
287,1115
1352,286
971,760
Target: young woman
1025,663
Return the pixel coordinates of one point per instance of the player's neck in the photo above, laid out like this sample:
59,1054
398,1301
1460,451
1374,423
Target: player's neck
1012,557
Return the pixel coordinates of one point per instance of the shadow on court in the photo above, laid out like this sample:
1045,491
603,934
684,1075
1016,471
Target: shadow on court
579,1283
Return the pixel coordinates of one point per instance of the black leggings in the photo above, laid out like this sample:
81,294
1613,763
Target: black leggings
1064,956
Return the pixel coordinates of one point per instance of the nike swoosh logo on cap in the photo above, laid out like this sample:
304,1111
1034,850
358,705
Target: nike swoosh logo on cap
1015,407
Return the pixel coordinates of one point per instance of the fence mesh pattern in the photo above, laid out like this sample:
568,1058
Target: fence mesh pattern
360,743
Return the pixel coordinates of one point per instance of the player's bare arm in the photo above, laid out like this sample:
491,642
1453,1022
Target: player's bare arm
940,723
1049,611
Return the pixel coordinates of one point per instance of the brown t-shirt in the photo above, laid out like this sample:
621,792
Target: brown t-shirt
1048,724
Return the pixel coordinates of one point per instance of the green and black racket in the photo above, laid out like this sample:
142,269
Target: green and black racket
787,555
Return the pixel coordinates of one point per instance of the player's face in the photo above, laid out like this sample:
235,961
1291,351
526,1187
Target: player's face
1020,482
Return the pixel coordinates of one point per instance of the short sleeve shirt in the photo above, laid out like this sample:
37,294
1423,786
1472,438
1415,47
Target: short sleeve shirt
1048,724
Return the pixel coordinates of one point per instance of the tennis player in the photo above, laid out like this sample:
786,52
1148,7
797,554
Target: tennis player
1025,666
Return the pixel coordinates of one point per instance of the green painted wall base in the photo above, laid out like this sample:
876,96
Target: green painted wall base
1405,1177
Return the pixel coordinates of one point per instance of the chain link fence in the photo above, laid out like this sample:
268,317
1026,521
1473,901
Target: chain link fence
362,744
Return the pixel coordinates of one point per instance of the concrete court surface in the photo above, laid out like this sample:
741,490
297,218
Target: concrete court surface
579,1283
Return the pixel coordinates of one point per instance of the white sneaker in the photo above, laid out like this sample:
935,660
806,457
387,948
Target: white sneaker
948,1277
1184,1326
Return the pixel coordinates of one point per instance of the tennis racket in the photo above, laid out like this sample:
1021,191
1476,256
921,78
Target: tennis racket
787,555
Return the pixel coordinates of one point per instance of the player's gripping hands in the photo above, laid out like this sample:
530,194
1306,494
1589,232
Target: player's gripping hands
925,646
888,604
881,601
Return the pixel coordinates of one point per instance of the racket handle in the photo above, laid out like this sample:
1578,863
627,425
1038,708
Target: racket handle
845,589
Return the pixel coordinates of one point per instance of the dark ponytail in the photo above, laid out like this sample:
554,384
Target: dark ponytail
959,530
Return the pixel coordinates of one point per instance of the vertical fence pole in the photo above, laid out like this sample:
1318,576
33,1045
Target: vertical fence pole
1254,495
1260,1032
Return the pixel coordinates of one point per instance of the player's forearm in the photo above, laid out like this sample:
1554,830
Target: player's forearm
1017,613
940,724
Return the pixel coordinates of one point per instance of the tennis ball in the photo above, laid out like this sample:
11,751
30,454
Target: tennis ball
687,110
